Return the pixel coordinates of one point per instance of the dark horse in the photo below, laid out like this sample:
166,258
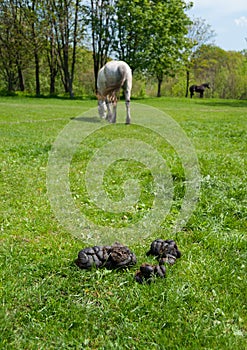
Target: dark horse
198,88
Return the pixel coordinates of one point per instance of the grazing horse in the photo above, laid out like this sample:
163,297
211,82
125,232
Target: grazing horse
111,77
199,88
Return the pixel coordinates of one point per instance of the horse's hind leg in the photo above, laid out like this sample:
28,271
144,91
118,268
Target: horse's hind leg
114,114
127,102
128,118
109,112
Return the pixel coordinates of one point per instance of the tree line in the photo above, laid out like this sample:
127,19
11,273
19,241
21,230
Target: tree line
50,46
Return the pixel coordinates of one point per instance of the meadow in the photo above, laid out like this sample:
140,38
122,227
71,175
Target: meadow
48,303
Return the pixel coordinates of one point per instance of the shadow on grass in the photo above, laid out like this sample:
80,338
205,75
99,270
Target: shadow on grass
87,119
226,103
18,94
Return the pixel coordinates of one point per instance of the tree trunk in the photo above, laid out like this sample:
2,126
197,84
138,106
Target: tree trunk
96,69
35,52
71,93
71,78
52,81
20,78
52,61
52,56
160,80
187,82
11,81
37,80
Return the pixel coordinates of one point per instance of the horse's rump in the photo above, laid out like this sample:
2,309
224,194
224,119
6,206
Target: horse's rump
111,79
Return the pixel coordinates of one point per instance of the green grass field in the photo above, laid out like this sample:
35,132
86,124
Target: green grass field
48,303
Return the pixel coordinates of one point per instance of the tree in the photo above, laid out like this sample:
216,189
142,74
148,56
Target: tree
151,35
226,71
14,43
67,34
100,21
168,38
199,33
36,27
132,37
51,47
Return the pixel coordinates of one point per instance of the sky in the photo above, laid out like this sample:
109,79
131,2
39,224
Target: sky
228,19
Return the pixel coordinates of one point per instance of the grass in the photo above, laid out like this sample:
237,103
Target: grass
47,303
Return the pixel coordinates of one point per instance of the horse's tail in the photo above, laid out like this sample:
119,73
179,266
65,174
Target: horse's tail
113,89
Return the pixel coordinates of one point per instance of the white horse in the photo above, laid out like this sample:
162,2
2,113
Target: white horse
111,77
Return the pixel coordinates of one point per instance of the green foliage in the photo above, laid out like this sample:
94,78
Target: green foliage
151,35
226,71
57,47
147,35
48,303
14,43
132,31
